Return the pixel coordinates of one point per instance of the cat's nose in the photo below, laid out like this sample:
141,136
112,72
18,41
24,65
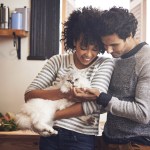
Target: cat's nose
72,82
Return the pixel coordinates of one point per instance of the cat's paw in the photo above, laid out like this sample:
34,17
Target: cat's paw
89,120
65,89
45,132
65,104
62,107
48,133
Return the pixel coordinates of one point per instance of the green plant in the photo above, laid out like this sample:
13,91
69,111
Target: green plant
7,122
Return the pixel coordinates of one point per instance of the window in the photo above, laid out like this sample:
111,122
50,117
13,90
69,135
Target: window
44,32
138,8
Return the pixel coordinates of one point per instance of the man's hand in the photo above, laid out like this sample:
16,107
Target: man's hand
84,94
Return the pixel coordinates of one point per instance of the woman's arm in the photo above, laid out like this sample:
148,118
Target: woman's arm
100,81
72,111
45,79
53,94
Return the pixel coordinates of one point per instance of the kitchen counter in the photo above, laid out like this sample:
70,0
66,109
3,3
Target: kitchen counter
19,140
27,140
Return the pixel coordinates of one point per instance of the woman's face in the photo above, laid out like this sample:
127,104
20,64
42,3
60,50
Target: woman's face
85,55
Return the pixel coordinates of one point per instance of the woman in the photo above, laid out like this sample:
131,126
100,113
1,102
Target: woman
82,42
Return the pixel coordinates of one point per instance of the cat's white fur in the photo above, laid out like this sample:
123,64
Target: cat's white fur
37,114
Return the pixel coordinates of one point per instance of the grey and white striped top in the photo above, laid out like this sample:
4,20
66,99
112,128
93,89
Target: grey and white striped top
99,73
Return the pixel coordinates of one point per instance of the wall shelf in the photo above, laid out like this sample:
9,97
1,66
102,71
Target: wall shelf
10,32
15,34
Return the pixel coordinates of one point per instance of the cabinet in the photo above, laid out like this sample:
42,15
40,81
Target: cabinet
16,35
19,140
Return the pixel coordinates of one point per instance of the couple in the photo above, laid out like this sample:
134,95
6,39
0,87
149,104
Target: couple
120,86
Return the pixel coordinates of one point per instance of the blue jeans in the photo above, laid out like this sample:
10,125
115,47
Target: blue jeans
67,140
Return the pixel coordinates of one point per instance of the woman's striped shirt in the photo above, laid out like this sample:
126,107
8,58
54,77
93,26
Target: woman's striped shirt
99,73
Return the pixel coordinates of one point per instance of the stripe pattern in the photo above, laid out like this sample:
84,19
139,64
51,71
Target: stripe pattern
99,73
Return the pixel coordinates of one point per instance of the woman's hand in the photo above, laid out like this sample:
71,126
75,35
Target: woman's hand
84,94
52,93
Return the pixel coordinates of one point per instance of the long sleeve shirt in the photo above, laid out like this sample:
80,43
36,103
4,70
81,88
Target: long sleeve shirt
99,73
128,99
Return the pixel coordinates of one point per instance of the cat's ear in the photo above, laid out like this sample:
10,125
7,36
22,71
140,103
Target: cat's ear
71,73
62,78
83,74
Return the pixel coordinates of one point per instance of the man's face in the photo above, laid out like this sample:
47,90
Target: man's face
116,46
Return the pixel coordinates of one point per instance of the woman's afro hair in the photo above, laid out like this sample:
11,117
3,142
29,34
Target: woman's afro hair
82,22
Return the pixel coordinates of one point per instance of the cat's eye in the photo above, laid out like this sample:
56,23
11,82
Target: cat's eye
69,81
76,79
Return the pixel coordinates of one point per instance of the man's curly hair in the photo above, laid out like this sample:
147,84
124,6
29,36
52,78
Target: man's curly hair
119,21
82,22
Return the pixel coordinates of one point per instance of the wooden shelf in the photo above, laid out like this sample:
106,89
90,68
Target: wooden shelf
11,32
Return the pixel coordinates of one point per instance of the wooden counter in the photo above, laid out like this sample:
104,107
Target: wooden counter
27,140
19,140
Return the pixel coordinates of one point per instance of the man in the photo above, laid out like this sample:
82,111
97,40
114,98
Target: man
128,99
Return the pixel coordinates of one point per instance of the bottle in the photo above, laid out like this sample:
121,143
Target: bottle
25,17
6,17
16,20
2,16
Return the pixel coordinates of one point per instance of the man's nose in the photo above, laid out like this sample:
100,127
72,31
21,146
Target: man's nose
109,49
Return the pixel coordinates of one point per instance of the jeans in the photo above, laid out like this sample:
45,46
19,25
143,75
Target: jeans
67,140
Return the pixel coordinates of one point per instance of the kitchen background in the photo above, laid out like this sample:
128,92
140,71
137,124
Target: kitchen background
16,74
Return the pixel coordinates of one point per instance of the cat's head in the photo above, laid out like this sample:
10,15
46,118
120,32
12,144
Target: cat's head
76,79
73,79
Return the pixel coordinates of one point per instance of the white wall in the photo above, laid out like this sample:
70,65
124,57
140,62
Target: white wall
103,4
15,75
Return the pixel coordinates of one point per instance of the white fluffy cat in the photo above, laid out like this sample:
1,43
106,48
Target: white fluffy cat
37,114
